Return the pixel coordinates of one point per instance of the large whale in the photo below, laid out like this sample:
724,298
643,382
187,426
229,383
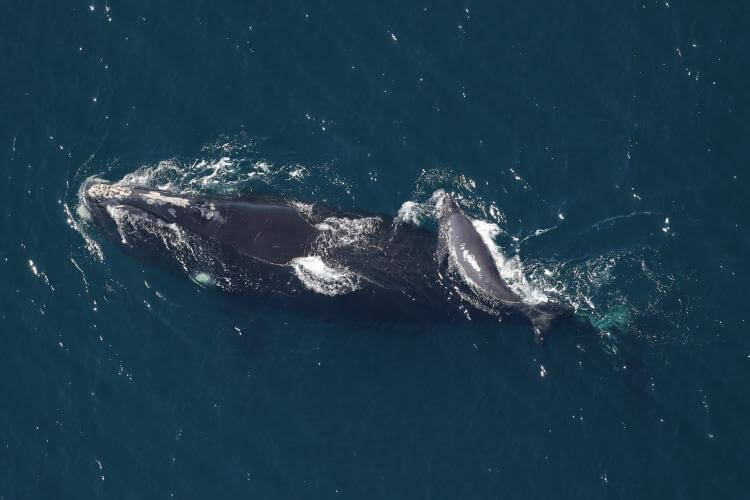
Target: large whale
275,246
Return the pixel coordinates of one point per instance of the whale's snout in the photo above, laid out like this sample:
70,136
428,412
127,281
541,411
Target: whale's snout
444,203
93,203
100,196
108,201
99,192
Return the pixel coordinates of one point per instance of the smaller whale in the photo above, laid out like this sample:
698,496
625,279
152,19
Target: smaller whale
462,248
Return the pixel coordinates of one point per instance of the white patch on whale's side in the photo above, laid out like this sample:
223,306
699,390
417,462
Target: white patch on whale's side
157,198
118,214
203,279
321,278
469,257
210,212
135,224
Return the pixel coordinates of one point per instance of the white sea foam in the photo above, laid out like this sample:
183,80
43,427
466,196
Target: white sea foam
305,209
414,213
298,172
216,170
91,244
511,270
84,213
321,278
342,231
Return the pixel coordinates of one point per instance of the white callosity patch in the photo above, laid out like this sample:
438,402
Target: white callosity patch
321,278
106,191
84,213
218,170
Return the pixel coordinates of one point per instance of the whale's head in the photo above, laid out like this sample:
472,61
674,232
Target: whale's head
108,203
445,205
100,199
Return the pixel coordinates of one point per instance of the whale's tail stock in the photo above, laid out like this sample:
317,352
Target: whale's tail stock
541,321
542,317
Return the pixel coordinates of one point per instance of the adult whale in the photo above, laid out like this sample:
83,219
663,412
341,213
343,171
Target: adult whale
275,246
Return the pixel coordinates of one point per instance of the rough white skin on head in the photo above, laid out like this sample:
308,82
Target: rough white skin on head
114,191
109,191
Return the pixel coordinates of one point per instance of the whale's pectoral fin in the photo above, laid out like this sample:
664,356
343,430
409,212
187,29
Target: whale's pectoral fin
441,252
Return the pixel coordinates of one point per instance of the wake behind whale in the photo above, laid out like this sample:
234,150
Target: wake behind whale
285,248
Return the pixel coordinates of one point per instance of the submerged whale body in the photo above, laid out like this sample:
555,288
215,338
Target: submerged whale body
281,247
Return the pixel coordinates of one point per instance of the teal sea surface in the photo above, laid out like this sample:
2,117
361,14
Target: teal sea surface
602,146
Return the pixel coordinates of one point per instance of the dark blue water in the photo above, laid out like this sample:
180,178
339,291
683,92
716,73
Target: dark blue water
607,140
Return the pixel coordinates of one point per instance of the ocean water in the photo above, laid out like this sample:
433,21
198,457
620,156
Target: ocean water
601,147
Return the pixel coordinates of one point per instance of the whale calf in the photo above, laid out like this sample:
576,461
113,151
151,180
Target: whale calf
276,246
461,246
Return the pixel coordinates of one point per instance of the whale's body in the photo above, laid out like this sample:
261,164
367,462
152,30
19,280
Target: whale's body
287,247
462,247
270,232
